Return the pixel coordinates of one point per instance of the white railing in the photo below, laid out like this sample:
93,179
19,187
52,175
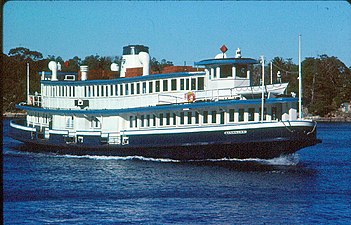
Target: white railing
34,100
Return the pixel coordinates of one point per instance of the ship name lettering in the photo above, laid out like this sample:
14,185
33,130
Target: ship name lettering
235,132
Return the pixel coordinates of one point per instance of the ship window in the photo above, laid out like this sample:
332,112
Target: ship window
174,84
181,84
144,87
142,120
241,71
193,83
136,121
181,117
157,86
74,91
102,90
196,117
161,119
222,117
93,91
121,89
214,74
98,90
131,121
150,86
274,113
154,120
251,114
165,85
59,87
200,83
226,71
132,88
126,86
205,117
147,120
187,81
138,88
111,90
168,118
231,115
85,91
116,90
241,115
190,117
174,119
214,115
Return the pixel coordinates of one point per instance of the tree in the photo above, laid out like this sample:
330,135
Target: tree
157,66
326,84
24,54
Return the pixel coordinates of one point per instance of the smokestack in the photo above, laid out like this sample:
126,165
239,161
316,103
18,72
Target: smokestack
84,71
144,59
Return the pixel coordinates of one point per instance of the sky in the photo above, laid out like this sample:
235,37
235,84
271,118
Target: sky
180,31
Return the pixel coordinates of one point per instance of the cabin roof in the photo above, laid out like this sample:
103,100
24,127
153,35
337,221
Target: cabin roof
226,61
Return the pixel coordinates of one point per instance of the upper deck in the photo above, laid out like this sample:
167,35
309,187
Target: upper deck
221,78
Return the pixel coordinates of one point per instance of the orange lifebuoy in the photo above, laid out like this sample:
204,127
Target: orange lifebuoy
190,96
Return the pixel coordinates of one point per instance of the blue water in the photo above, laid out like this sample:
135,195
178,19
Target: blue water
311,187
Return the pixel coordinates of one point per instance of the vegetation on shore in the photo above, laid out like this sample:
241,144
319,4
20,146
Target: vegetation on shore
326,80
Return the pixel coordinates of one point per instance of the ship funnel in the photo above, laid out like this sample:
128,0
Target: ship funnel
144,59
53,67
84,71
135,61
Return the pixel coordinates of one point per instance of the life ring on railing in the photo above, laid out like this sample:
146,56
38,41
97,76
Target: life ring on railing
190,96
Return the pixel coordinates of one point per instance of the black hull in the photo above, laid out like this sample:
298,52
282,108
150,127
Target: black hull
256,143
237,151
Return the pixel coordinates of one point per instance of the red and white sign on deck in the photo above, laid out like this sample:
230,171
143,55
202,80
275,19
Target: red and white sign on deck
224,48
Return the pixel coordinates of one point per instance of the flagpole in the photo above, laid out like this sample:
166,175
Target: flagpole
300,80
262,98
27,83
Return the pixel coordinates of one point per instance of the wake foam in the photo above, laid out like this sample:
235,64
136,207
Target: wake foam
124,158
286,160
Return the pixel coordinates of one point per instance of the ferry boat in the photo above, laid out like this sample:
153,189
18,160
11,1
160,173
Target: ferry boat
209,111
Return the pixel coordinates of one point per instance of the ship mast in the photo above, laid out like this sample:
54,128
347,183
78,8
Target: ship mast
262,98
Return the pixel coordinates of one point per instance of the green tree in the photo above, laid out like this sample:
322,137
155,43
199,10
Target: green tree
326,84
24,54
157,66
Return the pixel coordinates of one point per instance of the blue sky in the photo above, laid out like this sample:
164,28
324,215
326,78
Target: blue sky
180,31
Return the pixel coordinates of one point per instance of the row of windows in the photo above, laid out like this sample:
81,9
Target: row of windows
194,117
62,91
166,85
227,71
